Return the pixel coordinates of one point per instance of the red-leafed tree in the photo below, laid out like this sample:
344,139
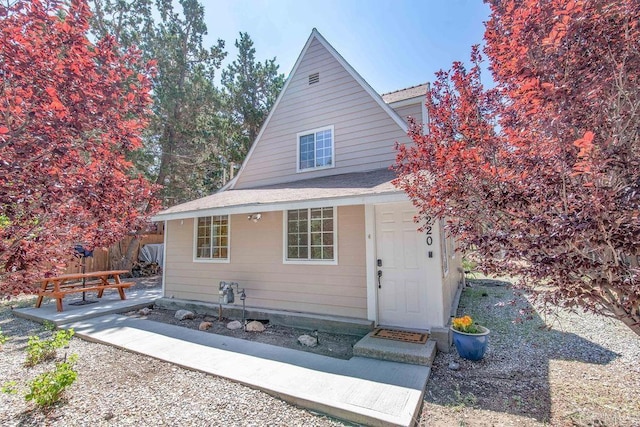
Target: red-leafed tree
70,111
540,176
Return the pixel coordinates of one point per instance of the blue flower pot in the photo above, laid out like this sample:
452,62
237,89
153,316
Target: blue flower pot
471,346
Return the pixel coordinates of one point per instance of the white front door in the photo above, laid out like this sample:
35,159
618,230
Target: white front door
401,267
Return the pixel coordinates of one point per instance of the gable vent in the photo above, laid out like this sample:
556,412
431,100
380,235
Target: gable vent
314,78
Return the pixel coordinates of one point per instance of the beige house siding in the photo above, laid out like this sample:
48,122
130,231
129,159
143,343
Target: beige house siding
413,110
364,134
442,286
256,263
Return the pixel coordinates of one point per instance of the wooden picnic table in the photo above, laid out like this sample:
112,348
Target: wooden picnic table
59,286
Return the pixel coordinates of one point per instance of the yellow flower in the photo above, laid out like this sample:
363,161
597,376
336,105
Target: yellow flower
464,324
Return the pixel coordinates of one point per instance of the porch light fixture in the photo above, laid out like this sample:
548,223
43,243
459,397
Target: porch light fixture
254,217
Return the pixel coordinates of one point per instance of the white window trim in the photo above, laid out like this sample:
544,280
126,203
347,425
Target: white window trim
333,149
226,260
285,241
452,247
444,250
425,114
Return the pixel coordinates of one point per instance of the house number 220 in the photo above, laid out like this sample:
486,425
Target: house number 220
428,230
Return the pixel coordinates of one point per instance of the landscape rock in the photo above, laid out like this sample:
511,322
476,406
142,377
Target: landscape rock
234,324
308,340
144,311
209,319
255,326
205,325
184,314
454,366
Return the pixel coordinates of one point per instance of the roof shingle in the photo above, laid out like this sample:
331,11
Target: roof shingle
407,93
369,183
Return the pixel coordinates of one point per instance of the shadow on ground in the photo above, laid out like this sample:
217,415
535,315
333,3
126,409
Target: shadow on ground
514,375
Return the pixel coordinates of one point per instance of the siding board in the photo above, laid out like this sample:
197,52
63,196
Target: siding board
414,110
257,265
364,134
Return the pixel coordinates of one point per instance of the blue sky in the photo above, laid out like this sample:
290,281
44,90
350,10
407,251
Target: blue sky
391,44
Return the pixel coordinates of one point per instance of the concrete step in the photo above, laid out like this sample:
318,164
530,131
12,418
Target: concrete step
396,351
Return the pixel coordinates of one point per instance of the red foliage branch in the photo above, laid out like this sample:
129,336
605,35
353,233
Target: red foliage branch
70,111
540,177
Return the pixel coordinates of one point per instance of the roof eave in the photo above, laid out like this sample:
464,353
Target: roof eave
363,199
408,101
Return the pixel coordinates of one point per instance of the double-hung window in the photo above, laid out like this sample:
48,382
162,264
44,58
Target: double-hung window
212,238
311,235
315,149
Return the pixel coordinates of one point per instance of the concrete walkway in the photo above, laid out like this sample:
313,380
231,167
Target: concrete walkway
361,390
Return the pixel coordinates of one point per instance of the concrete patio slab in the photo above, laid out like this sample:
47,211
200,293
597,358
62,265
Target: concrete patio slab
110,303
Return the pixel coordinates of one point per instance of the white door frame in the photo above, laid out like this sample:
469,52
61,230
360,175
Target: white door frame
371,257
370,265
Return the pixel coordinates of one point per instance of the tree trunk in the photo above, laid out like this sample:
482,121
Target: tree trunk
126,260
630,319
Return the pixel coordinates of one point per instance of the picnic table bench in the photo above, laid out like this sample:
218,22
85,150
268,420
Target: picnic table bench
97,281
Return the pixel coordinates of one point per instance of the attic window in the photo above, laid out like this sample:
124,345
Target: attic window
315,149
314,78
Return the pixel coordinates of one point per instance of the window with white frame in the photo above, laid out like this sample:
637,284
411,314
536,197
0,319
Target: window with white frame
315,149
443,249
451,247
311,234
212,238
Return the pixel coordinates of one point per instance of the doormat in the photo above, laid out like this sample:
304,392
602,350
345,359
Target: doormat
392,334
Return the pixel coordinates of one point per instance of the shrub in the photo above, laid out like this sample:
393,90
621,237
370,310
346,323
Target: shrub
3,338
46,388
9,387
469,266
48,325
41,350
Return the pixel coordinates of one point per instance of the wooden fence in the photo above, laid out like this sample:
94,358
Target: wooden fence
109,259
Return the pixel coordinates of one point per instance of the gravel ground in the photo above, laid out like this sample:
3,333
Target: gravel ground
118,388
562,370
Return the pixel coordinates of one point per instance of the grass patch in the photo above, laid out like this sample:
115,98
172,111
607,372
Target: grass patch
502,310
463,400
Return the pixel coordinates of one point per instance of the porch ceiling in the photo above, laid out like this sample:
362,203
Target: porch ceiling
352,188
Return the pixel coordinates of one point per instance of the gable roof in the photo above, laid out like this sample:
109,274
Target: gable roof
315,35
334,190
407,93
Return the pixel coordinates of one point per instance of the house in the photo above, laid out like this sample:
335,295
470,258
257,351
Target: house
311,224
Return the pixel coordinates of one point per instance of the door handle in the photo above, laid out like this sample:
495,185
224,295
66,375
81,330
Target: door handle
379,276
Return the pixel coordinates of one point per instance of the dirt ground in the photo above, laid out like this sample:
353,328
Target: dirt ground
333,345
